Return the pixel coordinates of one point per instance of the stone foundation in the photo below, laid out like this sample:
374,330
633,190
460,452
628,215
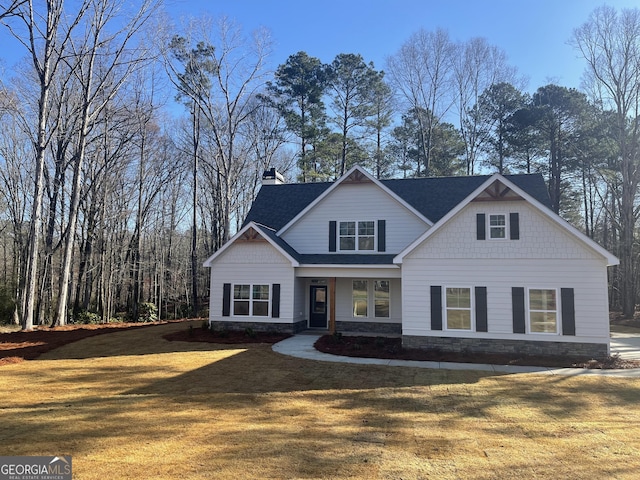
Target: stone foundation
295,327
369,327
488,345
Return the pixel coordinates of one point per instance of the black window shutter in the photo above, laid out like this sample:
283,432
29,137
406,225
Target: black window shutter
275,300
514,226
481,225
481,309
436,308
568,312
226,299
517,298
332,236
382,236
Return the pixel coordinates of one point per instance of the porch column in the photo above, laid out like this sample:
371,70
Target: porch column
332,305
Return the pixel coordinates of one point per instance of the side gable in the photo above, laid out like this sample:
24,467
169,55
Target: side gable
506,195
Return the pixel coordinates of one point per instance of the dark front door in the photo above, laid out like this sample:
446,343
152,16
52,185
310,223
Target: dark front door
318,315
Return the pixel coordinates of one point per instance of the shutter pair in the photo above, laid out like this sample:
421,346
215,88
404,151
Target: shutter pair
382,236
514,226
481,308
568,311
275,300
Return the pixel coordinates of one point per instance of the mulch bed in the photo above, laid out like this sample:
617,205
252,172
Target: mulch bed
18,346
225,336
391,348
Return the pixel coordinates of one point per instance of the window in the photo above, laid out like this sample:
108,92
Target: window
347,235
251,300
360,298
543,310
357,236
497,226
381,298
458,308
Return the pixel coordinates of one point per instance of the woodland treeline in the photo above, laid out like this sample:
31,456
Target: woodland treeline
125,162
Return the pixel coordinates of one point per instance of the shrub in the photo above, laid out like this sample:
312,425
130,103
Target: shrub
7,305
88,318
147,312
249,332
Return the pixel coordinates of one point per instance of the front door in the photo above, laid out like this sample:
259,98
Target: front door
318,315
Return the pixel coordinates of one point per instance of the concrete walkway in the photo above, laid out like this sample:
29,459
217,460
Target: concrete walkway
301,346
627,345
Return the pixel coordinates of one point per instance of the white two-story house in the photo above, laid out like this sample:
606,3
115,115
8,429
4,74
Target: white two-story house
477,263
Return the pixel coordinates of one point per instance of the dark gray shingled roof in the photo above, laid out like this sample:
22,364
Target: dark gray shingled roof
433,197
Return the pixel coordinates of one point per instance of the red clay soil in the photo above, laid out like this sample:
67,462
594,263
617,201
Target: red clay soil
225,337
18,346
391,348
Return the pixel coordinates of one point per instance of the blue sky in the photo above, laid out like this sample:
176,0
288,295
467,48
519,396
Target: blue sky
533,33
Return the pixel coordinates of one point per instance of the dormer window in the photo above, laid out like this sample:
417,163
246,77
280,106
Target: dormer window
357,236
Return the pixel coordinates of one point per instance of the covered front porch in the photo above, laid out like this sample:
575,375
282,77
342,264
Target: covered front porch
349,300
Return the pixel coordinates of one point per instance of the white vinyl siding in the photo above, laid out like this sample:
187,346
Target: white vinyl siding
353,203
252,263
587,277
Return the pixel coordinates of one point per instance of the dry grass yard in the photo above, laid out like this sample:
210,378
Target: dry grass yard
130,405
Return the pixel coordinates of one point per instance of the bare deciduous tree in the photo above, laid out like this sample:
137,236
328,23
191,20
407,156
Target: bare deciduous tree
421,71
610,43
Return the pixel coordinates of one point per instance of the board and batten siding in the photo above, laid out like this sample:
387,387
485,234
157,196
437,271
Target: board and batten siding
355,202
545,256
252,263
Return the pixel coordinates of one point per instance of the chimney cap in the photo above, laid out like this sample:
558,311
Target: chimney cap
272,177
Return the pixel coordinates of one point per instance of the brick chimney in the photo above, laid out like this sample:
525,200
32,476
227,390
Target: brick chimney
272,177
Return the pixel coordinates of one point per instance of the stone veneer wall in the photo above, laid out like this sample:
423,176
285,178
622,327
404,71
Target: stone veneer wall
524,347
369,327
261,327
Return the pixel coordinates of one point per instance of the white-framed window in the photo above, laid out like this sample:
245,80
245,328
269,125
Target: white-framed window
458,303
376,291
360,296
497,226
543,310
251,300
381,297
357,236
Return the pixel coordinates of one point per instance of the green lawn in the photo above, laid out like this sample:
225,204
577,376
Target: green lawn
132,405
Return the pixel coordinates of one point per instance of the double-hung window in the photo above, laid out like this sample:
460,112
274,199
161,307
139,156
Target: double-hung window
458,308
497,226
543,310
251,300
357,236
